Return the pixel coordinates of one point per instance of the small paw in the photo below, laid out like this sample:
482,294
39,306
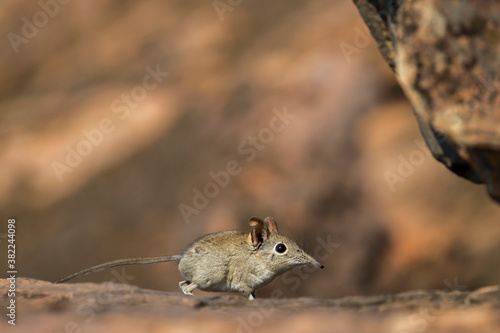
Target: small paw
187,287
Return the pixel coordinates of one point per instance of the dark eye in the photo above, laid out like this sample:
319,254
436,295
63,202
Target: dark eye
280,248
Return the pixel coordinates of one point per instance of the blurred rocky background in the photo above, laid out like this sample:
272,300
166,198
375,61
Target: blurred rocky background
116,115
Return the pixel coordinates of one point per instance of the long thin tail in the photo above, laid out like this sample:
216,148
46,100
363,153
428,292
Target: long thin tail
120,262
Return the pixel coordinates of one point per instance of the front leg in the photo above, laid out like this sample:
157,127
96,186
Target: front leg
251,296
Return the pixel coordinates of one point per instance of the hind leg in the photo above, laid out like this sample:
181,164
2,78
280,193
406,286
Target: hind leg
187,287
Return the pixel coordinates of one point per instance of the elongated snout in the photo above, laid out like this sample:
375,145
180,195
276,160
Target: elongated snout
314,262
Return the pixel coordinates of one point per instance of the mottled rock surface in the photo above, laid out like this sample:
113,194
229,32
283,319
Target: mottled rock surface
109,307
445,54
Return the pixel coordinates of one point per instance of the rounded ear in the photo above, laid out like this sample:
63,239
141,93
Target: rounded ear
271,224
259,232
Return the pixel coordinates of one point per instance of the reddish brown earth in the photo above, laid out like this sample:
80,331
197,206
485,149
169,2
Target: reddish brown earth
110,307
